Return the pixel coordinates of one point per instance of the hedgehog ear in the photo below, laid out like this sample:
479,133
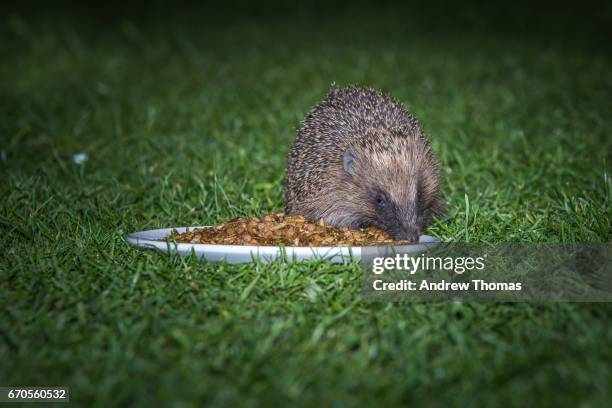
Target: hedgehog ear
348,161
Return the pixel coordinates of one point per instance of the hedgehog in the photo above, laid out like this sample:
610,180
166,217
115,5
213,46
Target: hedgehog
362,160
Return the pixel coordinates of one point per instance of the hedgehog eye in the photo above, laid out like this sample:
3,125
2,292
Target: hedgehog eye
380,200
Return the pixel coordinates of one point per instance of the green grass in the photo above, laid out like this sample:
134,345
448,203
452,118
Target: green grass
188,122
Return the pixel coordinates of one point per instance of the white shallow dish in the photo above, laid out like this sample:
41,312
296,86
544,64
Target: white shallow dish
247,253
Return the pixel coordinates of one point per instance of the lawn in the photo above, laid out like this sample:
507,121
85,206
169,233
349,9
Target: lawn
186,117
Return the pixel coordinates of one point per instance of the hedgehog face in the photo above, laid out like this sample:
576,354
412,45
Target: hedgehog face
398,187
402,220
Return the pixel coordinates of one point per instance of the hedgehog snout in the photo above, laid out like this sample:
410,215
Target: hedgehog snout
407,233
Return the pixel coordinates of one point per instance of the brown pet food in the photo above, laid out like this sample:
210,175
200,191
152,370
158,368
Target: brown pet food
289,230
